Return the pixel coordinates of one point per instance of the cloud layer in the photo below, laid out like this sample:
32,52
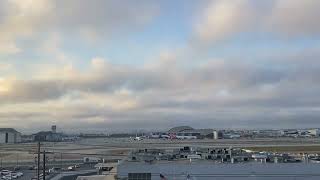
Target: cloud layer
47,78
215,93
92,20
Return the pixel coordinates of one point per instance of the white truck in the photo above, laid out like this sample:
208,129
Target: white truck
88,160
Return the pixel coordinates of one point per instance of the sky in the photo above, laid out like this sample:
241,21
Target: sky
126,65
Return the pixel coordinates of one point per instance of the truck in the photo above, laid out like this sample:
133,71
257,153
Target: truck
88,160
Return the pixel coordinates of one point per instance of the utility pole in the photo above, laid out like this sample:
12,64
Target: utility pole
38,164
61,160
44,165
17,160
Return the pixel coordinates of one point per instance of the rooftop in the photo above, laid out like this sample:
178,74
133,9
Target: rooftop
212,155
180,129
8,130
47,133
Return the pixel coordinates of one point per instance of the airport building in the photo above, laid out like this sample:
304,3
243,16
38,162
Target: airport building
187,132
47,136
215,135
9,136
51,136
204,170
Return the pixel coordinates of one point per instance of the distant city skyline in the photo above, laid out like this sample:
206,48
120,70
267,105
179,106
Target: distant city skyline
126,65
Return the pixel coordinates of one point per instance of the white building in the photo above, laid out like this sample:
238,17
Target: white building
215,135
9,136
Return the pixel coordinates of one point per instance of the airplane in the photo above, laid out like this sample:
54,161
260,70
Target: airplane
165,136
137,138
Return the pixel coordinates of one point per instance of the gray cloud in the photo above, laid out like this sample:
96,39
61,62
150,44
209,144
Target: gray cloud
223,19
32,90
90,21
215,94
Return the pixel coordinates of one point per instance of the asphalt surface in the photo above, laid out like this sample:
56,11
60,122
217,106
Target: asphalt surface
64,154
113,149
84,169
27,174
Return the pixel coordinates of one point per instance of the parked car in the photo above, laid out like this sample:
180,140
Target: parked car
51,170
14,176
54,169
5,172
32,168
20,174
71,168
7,177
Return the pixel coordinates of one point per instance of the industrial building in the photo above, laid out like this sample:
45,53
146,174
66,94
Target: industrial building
9,136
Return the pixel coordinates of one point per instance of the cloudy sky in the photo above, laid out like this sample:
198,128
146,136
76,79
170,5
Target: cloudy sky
123,65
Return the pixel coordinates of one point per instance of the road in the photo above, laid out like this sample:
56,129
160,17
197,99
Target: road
74,173
28,174
84,169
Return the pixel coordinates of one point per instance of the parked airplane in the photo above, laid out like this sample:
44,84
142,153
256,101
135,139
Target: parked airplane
137,138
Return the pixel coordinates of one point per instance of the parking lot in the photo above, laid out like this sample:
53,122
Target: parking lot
51,171
9,175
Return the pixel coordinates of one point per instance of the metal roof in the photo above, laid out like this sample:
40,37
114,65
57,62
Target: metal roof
180,129
8,130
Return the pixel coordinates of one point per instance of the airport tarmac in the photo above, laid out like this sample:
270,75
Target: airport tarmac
117,148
